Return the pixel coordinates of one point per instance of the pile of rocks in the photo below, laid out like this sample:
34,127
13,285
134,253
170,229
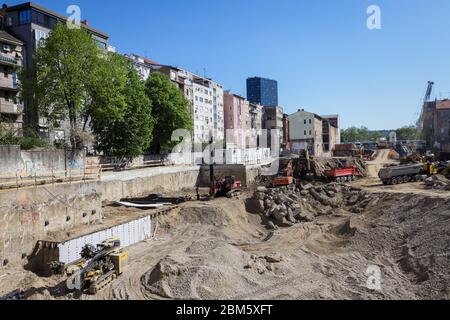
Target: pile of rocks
286,206
262,264
437,182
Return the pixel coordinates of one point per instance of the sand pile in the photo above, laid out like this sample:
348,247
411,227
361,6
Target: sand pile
209,269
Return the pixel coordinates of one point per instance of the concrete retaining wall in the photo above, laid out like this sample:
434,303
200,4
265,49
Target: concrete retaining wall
9,158
246,175
30,215
42,213
161,181
13,160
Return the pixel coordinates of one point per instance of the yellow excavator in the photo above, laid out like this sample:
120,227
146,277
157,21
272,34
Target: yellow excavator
99,266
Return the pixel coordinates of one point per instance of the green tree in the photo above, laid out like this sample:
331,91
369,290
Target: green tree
354,134
170,109
123,127
59,83
407,133
350,135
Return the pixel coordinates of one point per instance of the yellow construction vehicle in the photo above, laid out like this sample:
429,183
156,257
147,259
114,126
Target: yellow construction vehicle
430,168
99,265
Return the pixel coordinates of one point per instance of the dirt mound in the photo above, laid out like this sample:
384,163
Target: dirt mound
412,230
208,269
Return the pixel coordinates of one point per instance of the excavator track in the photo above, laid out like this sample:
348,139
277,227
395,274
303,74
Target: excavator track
103,282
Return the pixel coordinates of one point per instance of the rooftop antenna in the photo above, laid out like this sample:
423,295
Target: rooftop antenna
204,72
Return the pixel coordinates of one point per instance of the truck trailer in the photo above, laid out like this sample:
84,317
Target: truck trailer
402,174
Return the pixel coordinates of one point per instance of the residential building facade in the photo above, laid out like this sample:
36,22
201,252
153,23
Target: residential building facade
207,102
334,121
262,91
144,66
255,125
11,105
30,23
286,139
237,119
331,136
318,134
273,121
306,132
441,126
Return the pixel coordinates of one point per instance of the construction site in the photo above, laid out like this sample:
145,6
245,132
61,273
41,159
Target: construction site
312,231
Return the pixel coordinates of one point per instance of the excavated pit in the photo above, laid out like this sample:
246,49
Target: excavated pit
321,244
326,256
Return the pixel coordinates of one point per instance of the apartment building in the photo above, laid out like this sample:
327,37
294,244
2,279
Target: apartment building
256,116
237,121
273,120
144,66
331,135
306,132
30,23
316,133
11,106
207,102
334,122
441,125
286,139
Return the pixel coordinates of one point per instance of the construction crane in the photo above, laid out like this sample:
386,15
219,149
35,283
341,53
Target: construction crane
429,91
420,123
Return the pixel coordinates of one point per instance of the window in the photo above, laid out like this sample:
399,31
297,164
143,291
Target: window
305,121
310,132
310,121
101,44
305,132
5,72
25,16
40,36
40,18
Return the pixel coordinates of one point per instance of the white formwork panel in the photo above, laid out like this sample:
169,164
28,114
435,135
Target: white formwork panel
129,233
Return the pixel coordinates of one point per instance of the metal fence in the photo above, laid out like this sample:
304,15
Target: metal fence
37,178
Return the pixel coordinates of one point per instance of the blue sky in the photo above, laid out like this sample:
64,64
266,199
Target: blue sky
320,51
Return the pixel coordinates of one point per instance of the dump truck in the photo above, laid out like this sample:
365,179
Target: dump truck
341,175
402,174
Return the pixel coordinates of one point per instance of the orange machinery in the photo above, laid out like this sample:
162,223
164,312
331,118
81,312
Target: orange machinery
285,177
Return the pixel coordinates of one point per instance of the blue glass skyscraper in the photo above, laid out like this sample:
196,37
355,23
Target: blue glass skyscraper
262,91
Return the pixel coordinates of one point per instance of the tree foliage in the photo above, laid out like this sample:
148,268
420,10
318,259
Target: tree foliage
65,68
354,134
170,109
74,80
122,119
407,133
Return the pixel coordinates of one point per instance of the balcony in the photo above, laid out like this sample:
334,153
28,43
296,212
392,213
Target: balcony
9,83
10,60
10,107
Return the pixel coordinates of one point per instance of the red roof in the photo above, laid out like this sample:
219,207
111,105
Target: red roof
443,104
151,61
